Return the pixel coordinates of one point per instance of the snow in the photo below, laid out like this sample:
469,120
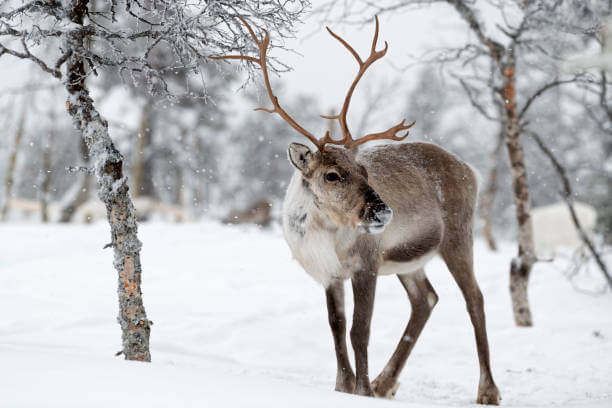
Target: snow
554,228
237,323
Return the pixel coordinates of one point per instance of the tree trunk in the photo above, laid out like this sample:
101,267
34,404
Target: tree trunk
45,175
196,181
201,194
9,181
487,197
605,214
143,160
520,267
113,191
177,192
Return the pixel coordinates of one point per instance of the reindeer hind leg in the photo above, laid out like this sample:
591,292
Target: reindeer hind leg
422,298
458,256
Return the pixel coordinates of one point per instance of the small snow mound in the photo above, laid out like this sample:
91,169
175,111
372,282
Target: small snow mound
553,226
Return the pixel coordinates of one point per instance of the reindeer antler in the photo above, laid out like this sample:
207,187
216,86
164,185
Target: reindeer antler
347,140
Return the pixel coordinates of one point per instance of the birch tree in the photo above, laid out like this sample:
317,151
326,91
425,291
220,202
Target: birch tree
12,164
72,39
504,57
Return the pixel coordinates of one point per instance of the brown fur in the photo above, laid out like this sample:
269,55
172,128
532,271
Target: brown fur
415,248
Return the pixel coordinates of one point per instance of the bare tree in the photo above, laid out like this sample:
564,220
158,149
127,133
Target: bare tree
487,196
12,164
505,59
143,163
44,179
603,120
70,40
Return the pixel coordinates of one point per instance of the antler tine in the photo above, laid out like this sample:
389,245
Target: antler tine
389,134
363,66
375,39
346,45
248,26
262,62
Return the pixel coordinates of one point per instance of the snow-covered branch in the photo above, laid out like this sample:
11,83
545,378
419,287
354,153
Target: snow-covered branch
143,41
26,54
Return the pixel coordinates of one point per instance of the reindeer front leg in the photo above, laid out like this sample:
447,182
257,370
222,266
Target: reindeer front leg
364,287
345,378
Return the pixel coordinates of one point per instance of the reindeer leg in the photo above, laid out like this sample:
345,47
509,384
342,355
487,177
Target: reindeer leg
422,298
458,258
364,287
345,378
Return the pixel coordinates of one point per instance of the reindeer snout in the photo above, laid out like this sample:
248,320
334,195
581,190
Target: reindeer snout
384,215
376,214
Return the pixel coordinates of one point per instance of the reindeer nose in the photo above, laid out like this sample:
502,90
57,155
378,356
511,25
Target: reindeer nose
376,214
374,205
384,216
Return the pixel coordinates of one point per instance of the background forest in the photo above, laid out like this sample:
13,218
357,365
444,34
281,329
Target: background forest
208,154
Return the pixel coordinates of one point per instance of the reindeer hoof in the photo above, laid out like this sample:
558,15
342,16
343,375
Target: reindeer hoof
385,389
346,384
488,396
365,390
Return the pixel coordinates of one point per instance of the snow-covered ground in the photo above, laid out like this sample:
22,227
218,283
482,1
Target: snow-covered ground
237,323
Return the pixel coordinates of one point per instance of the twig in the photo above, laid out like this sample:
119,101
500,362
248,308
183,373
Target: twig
543,89
27,55
473,101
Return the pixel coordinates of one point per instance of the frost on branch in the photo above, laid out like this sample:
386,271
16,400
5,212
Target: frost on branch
146,43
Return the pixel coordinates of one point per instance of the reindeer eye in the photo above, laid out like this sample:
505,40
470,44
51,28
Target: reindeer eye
332,176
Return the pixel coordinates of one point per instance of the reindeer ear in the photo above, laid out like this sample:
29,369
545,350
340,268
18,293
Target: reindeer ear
300,156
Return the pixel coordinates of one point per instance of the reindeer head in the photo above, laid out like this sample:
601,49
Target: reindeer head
338,183
340,187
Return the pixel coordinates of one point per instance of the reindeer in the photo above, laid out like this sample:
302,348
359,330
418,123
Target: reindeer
386,210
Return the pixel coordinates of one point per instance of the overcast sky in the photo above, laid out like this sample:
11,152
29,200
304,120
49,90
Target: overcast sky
324,69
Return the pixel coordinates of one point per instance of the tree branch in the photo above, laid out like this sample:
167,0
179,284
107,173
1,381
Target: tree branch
603,96
480,108
568,196
468,15
543,89
27,55
36,6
